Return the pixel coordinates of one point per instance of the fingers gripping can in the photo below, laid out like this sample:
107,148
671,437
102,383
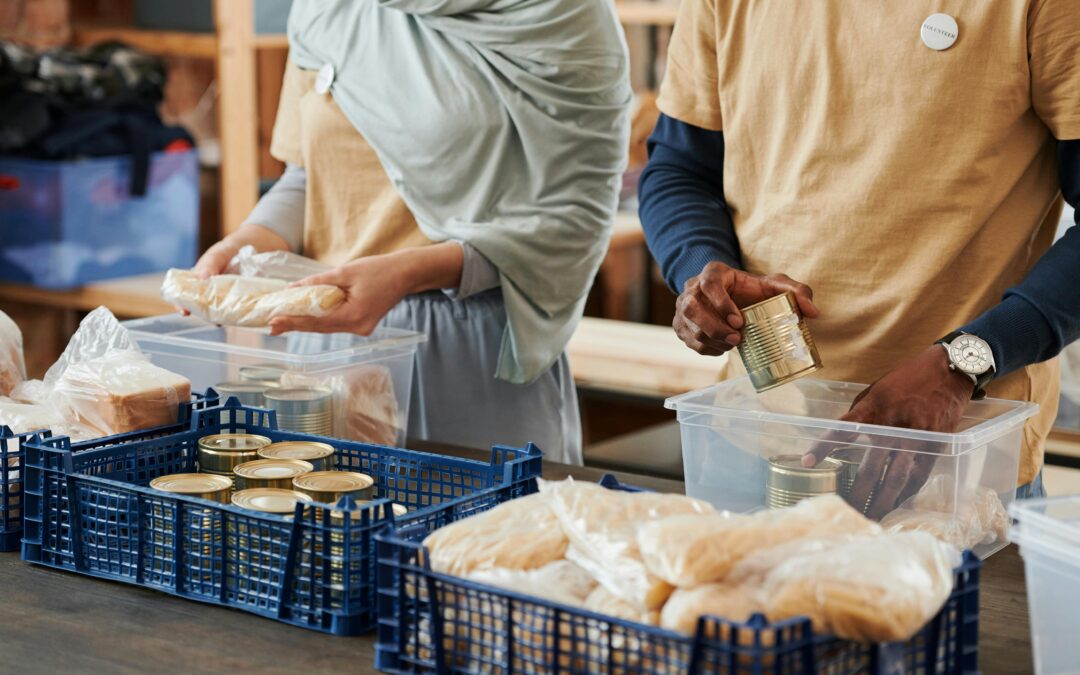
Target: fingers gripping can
776,345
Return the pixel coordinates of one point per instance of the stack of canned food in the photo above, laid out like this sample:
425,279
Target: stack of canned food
303,409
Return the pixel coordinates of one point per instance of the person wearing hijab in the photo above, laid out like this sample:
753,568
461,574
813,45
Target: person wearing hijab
458,162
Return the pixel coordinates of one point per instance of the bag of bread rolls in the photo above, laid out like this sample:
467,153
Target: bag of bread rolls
561,581
12,365
602,527
734,602
284,265
690,550
965,517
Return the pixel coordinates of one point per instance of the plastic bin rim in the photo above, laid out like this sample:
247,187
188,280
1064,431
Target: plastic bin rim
977,435
1027,510
405,339
1069,554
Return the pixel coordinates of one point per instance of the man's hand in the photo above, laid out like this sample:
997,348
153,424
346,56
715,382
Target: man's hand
921,393
707,314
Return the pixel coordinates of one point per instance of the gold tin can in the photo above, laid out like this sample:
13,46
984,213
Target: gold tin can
221,453
248,393
264,373
789,482
330,486
269,473
776,345
319,455
269,500
206,486
850,458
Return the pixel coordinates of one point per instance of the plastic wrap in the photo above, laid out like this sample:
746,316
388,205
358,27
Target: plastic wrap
234,300
282,265
728,601
24,417
602,526
601,600
365,405
560,581
689,550
521,534
875,589
965,518
12,365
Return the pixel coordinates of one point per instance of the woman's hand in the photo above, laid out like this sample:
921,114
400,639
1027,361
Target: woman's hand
373,285
217,258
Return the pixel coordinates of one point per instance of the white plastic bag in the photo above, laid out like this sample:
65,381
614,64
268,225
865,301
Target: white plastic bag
965,518
12,365
282,265
560,581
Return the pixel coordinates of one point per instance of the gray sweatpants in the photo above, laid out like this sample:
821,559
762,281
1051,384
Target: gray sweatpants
455,396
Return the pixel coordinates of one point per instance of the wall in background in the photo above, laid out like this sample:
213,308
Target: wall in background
39,23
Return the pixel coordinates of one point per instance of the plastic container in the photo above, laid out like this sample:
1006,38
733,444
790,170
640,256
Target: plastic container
496,630
1048,532
89,510
69,223
729,432
370,378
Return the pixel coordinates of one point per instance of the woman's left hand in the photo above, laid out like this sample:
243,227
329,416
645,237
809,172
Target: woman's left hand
373,285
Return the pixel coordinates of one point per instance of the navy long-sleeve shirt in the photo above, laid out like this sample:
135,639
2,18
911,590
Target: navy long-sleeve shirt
688,225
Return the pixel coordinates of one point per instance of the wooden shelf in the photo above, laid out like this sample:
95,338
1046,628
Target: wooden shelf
642,12
129,297
272,41
160,42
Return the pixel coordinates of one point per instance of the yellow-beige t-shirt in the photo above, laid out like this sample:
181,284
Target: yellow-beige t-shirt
908,187
351,208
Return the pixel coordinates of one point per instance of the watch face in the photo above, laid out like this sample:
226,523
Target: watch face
970,354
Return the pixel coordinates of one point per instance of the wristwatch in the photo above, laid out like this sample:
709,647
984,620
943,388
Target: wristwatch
970,355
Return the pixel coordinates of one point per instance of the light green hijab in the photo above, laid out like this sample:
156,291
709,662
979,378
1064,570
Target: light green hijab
502,123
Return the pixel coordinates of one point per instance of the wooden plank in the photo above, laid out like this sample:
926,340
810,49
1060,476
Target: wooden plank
160,42
238,128
272,41
130,297
643,12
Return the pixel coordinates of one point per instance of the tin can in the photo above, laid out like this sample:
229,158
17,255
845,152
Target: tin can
330,486
850,458
269,473
789,482
269,500
307,410
206,486
264,373
776,345
248,393
221,453
319,455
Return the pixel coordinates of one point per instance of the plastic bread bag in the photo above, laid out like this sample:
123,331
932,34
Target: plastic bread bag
521,534
965,517
872,589
234,300
12,364
24,417
733,602
689,550
283,265
560,581
602,527
365,407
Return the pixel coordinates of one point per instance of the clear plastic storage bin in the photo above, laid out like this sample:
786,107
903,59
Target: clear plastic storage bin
730,434
68,223
1048,532
341,385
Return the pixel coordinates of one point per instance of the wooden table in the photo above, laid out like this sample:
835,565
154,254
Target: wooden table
55,621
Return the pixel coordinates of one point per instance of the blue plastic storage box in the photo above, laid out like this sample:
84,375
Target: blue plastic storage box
89,510
11,466
430,622
68,223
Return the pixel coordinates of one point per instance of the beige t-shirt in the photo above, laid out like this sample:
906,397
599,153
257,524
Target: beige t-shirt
908,187
352,210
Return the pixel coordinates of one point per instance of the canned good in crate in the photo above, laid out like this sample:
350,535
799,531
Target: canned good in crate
319,455
336,552
206,486
265,374
776,344
789,482
248,393
269,500
221,453
199,527
330,486
307,410
269,473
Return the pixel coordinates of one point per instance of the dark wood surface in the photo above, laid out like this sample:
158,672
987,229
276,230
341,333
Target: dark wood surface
54,622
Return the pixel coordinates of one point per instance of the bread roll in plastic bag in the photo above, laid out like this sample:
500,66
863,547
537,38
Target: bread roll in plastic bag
873,589
965,518
12,364
521,534
602,601
233,300
561,581
283,265
734,602
602,526
691,550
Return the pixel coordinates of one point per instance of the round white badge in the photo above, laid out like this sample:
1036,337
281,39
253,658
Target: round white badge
939,31
324,79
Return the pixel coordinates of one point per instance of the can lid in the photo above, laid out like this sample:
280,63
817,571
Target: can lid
270,500
191,483
785,303
848,455
297,450
298,394
333,481
792,465
272,468
261,373
233,442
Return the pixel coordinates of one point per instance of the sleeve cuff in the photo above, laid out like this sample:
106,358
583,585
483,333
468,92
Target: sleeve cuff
1016,331
477,274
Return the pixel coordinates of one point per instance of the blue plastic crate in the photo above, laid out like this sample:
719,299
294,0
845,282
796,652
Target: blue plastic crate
89,510
430,622
12,477
69,223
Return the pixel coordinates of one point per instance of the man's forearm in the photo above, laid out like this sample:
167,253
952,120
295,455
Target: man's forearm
681,194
